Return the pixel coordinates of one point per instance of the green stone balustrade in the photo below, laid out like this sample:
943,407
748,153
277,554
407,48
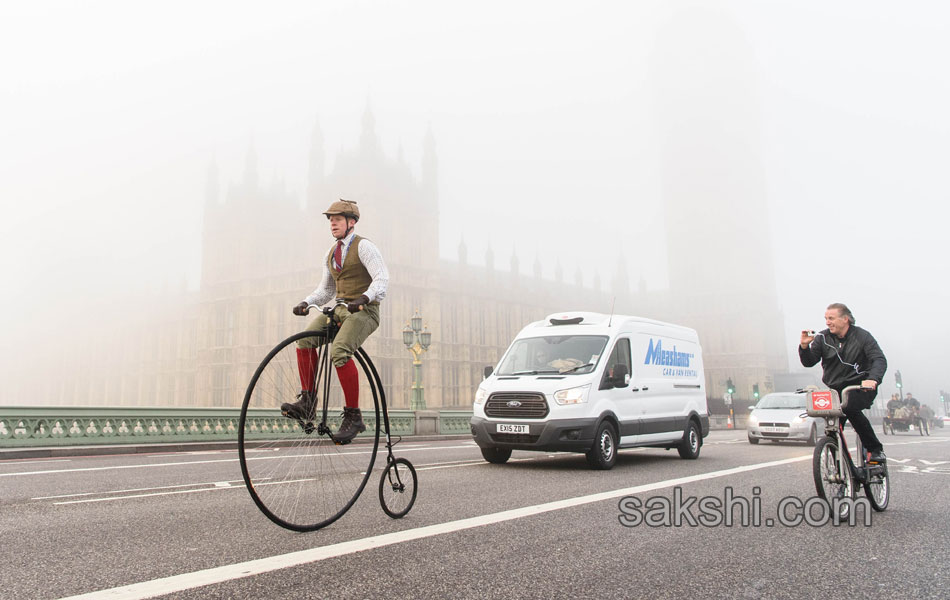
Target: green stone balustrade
26,426
455,422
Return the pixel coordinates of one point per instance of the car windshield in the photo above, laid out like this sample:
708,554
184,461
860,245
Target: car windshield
782,401
563,354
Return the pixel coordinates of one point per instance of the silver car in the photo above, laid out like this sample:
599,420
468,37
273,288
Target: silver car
782,416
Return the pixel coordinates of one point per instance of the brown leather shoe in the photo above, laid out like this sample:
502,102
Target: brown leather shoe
352,424
302,409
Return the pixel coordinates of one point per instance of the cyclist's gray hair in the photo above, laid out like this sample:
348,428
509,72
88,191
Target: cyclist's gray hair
843,310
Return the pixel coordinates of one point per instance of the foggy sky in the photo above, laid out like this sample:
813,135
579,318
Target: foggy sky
545,125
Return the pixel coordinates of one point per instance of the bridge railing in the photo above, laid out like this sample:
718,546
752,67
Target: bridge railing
26,426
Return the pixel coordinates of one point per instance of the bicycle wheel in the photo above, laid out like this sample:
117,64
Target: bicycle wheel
397,488
298,477
829,482
878,490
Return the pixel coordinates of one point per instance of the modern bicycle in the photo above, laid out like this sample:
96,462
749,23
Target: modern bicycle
299,476
836,474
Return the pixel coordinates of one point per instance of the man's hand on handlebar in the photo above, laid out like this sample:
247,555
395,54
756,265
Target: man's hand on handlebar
301,309
869,384
357,305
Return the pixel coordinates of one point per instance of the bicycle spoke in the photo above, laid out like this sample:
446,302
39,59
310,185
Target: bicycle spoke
304,481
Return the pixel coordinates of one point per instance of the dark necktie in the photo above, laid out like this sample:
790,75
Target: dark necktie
338,256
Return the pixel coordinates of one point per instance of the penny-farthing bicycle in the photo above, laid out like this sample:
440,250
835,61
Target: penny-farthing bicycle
296,473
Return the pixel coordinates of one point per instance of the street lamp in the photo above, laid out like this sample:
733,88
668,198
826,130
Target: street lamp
417,340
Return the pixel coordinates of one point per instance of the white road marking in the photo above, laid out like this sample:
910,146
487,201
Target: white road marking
29,461
148,489
201,462
174,493
196,579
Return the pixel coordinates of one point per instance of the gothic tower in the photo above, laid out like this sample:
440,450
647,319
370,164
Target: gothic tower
714,191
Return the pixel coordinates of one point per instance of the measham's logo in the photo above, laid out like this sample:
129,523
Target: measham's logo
820,400
656,355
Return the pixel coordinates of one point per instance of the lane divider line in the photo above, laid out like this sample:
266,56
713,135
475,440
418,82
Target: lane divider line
202,462
196,579
148,489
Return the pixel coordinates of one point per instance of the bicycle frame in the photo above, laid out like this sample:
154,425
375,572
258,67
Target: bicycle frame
333,328
834,428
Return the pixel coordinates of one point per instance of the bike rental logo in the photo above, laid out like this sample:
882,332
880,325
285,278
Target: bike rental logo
821,400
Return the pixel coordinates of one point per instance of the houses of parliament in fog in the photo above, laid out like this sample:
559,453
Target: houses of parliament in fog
262,252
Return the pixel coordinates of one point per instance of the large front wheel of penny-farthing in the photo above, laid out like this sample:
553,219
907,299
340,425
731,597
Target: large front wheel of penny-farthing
294,471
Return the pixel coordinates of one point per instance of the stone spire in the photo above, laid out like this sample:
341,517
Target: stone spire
463,252
430,167
212,185
316,166
250,168
368,140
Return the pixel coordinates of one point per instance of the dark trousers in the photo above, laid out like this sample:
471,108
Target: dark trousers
859,401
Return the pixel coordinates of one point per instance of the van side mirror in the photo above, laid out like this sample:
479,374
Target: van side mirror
621,377
488,371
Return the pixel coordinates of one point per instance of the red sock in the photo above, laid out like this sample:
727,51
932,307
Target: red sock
306,361
350,382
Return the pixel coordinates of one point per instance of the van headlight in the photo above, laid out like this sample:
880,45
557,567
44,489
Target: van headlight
480,395
574,395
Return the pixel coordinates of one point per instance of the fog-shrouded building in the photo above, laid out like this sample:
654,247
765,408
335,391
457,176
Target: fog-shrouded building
263,251
714,192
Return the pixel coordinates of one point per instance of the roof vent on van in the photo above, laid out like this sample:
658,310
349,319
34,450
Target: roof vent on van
566,320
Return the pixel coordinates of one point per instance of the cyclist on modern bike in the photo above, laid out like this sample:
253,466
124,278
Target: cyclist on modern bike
354,272
849,355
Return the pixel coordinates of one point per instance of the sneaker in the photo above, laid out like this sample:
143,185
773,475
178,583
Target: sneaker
302,409
352,424
877,456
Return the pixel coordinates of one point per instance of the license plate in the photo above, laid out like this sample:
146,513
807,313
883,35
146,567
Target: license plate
773,429
506,428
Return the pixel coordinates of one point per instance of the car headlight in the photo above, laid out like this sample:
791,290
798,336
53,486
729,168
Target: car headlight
480,395
753,420
574,395
798,420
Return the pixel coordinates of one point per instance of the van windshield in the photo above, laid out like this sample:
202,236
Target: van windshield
564,354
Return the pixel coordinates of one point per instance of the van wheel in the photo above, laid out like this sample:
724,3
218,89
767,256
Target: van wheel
496,456
603,454
692,441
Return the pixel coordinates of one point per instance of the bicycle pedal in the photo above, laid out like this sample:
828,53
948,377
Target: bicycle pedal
340,442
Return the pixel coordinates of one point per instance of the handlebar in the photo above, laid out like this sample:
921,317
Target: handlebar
328,310
846,391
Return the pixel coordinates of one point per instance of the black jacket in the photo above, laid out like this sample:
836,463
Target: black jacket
857,347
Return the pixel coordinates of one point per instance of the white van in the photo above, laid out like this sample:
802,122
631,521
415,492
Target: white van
594,383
